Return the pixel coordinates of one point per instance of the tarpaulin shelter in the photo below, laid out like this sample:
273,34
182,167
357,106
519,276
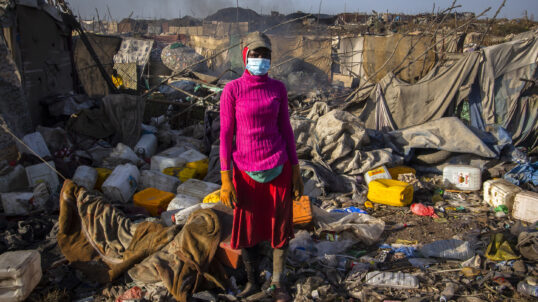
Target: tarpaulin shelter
489,79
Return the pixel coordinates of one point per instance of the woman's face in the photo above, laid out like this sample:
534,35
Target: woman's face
260,53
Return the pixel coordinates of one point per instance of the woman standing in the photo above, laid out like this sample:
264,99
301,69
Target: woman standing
256,135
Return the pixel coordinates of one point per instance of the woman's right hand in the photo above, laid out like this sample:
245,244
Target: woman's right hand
228,195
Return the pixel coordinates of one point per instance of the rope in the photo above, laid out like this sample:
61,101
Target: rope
4,126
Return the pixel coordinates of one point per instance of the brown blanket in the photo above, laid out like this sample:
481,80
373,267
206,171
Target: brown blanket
99,241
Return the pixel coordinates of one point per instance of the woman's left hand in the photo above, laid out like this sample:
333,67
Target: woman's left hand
297,186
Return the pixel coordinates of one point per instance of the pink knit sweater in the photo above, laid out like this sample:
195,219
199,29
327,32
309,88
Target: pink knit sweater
254,109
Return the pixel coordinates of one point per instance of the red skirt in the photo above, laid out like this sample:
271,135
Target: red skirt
264,211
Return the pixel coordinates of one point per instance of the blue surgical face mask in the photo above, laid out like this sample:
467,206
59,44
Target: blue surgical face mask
257,66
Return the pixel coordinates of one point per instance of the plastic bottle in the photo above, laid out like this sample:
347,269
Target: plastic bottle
528,288
448,292
392,279
146,146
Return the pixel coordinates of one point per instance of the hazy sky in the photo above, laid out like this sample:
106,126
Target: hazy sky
201,8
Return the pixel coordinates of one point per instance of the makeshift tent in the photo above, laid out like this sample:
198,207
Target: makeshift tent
384,54
428,99
490,79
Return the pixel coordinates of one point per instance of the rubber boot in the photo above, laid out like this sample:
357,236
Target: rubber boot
278,289
250,256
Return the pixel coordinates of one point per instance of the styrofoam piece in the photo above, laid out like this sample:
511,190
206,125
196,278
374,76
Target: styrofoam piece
499,192
122,183
197,188
20,272
14,180
392,279
146,146
462,177
182,201
158,180
526,206
39,173
169,158
86,177
36,142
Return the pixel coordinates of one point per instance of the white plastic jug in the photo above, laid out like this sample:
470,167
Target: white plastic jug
122,183
20,272
86,177
14,180
526,206
500,192
146,146
42,173
462,177
36,142
192,156
17,203
377,173
158,180
124,152
168,158
197,188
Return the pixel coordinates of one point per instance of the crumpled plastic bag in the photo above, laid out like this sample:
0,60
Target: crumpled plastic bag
499,249
523,173
362,227
303,249
422,210
527,244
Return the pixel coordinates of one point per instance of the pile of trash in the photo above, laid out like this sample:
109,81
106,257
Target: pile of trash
373,224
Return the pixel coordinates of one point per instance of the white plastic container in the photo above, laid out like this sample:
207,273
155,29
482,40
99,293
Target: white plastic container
122,183
42,173
182,201
36,142
500,192
377,173
462,177
392,279
17,203
86,177
158,180
192,155
20,272
197,188
146,146
526,206
168,158
124,152
14,180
